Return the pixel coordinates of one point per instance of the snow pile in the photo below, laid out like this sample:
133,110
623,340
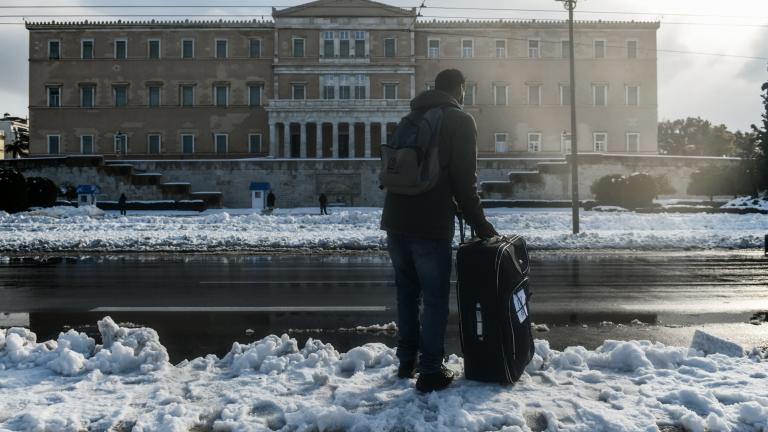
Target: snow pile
271,384
390,327
73,353
66,212
748,202
358,228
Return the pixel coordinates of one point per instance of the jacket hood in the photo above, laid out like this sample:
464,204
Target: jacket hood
432,98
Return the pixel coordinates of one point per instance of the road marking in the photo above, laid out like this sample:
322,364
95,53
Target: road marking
301,282
240,309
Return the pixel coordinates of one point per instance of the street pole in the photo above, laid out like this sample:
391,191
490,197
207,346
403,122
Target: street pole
571,5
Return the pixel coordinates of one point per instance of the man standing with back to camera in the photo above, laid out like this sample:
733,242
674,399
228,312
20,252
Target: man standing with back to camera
420,230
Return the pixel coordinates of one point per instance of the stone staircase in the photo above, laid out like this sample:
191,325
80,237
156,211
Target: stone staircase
522,184
139,185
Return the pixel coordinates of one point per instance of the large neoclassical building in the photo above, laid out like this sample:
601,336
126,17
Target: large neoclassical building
330,79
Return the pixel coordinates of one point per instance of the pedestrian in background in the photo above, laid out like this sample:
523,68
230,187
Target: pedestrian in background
122,204
323,204
270,201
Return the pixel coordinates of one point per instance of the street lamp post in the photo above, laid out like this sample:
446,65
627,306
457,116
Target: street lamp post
571,5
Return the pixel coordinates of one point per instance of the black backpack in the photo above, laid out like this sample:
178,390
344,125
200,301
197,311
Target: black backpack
409,163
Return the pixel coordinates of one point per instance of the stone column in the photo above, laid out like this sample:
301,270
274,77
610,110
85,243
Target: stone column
272,139
319,139
335,139
351,139
367,139
287,139
383,133
303,150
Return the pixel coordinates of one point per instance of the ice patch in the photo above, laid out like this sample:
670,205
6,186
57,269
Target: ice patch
711,344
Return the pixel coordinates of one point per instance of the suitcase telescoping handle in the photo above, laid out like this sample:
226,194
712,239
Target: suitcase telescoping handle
461,228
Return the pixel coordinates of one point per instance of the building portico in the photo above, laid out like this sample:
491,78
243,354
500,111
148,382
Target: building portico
331,128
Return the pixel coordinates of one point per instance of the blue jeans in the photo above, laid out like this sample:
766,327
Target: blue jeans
422,274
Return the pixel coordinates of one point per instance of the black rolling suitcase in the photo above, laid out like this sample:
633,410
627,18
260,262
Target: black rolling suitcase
493,295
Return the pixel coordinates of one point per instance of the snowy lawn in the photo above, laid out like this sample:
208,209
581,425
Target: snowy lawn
127,384
90,229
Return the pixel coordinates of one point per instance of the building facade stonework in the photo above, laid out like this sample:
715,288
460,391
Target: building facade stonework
331,79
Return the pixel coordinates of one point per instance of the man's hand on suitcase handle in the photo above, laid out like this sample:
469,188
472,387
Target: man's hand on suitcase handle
486,231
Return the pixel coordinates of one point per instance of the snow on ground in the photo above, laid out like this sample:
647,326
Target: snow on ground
90,229
748,202
72,384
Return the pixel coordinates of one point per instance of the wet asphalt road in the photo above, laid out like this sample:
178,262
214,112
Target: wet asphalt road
184,295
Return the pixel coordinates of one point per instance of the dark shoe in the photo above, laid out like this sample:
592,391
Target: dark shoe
407,369
429,382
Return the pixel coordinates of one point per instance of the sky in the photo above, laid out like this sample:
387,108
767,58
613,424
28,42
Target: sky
723,88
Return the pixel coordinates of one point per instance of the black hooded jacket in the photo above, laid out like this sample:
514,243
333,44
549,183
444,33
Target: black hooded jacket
431,215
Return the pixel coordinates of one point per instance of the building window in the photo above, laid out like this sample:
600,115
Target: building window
633,95
187,95
187,48
221,49
86,49
328,44
600,94
254,143
390,91
153,143
390,47
54,50
121,49
632,49
565,49
87,96
54,144
565,94
533,48
120,95
298,47
633,142
534,142
153,49
360,92
221,95
501,143
467,48
534,94
345,92
86,144
360,44
501,48
600,140
433,48
221,143
329,92
255,48
187,143
599,49
470,92
121,143
153,96
254,94
344,44
565,142
499,94
54,96
298,91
